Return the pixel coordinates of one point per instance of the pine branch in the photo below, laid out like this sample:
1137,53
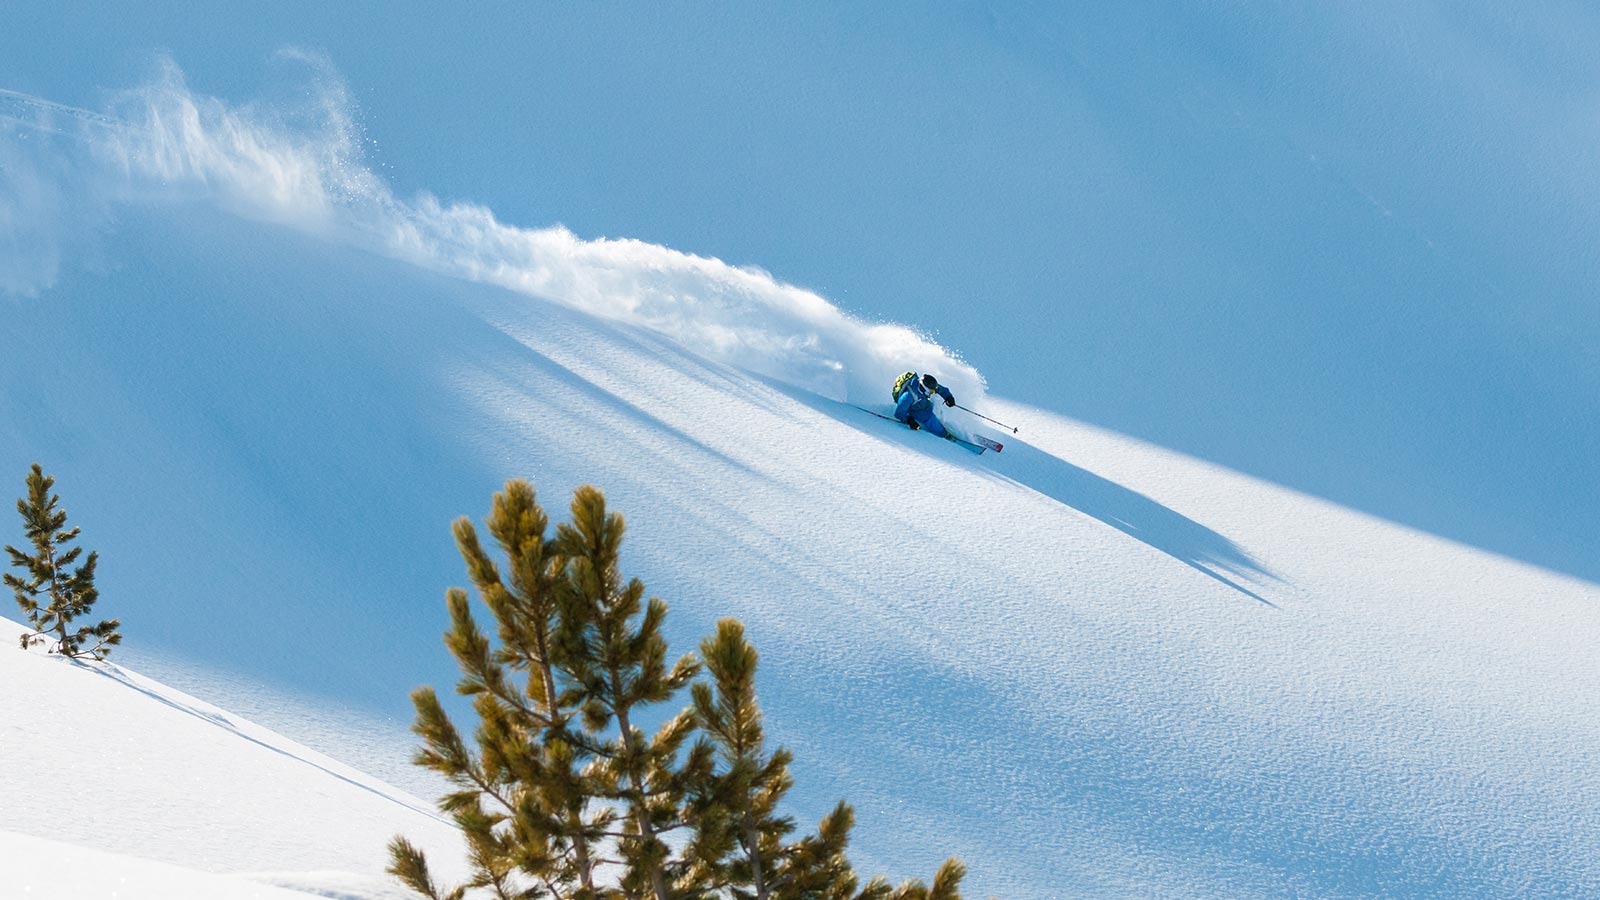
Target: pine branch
947,882
408,864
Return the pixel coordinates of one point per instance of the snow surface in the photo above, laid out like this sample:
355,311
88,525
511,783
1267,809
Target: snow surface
40,868
1090,666
118,786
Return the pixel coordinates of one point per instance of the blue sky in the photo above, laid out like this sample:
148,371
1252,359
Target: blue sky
1348,249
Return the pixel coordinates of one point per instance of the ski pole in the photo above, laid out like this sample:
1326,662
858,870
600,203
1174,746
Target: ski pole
982,416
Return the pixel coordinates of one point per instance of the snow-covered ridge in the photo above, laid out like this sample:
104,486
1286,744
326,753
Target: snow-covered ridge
305,167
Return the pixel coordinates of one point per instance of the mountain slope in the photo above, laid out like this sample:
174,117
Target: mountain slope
1090,666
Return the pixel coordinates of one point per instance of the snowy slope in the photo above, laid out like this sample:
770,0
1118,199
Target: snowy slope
118,786
42,868
1090,666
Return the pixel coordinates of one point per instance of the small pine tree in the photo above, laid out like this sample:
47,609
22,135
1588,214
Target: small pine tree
565,797
51,597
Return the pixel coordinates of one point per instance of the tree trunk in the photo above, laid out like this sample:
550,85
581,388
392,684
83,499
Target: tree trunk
752,846
641,817
580,844
58,603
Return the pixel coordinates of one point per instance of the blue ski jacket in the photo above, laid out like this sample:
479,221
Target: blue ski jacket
914,404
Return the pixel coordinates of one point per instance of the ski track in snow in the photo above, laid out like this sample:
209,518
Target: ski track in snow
1090,666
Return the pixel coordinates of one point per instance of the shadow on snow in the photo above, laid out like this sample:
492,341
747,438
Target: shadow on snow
1124,509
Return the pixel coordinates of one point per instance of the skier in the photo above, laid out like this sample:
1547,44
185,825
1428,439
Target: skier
914,404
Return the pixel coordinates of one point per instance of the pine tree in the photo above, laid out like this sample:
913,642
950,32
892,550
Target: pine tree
521,802
613,652
51,597
742,799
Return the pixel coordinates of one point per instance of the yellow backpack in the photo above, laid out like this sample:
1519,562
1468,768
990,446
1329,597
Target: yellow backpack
900,384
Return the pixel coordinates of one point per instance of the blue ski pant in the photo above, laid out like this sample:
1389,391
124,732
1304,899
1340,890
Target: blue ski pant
919,410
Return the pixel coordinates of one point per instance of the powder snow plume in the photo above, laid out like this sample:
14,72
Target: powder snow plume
301,164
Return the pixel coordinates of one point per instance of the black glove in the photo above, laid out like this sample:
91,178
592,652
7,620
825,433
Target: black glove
950,400
913,424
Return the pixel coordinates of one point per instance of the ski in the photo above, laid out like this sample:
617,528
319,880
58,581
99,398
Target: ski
977,445
987,443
